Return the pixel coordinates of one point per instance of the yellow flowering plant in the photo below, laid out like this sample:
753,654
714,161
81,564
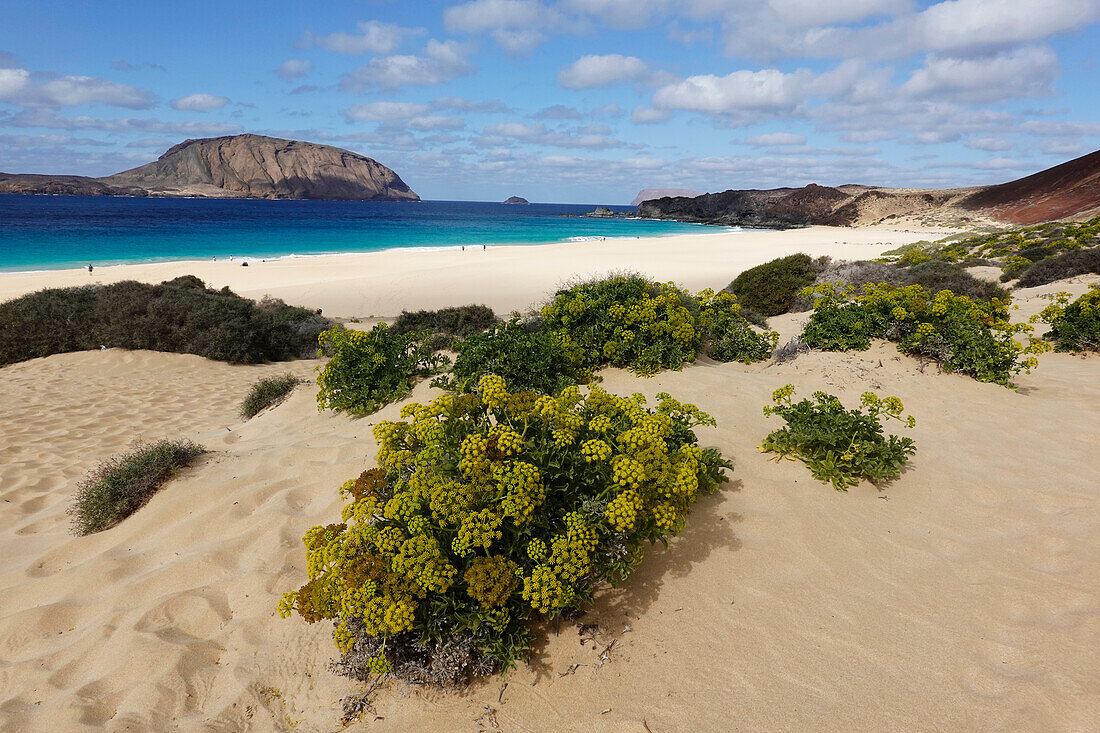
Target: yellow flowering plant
839,446
492,509
1073,326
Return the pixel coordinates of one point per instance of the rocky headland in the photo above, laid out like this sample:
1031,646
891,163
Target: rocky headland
237,166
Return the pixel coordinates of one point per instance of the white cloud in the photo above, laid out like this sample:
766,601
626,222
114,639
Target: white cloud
13,81
199,102
621,13
435,122
988,143
372,37
557,112
294,69
28,89
51,120
1026,72
383,111
776,138
591,136
590,72
517,25
768,90
647,115
442,61
815,12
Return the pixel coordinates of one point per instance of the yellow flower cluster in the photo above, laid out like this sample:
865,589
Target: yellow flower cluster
491,580
623,510
595,450
478,529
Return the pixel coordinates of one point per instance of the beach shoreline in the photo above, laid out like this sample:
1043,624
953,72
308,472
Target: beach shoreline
504,277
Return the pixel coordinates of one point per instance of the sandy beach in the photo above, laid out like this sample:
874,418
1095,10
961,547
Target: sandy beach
966,595
507,278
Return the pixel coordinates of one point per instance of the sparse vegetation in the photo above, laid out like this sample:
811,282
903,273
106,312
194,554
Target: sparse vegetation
1060,267
182,316
121,485
839,446
267,392
1073,326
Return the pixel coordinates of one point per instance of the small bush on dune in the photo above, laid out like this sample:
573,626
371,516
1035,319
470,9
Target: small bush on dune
1073,326
267,392
369,369
180,316
839,446
936,276
849,274
490,511
727,334
959,334
460,321
120,486
526,356
1069,264
771,288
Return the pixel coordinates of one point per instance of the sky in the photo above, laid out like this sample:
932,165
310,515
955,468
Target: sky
572,101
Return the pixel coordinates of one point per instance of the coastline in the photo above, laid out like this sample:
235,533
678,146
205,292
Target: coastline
504,277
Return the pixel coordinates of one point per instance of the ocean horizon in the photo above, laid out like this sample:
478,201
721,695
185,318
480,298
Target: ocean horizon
60,232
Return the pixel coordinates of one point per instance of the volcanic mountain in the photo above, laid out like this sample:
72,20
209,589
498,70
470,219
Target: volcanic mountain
1069,190
238,166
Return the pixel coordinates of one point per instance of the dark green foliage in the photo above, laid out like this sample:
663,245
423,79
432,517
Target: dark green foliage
525,355
369,369
121,485
1069,264
840,446
267,392
843,326
180,316
770,288
936,275
731,338
460,321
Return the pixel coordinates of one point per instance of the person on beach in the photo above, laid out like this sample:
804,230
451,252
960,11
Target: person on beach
89,268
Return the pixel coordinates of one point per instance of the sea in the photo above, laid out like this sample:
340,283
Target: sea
56,232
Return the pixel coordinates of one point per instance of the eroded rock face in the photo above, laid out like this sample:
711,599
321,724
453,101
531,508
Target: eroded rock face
254,166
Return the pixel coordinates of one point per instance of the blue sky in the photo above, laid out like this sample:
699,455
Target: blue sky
566,100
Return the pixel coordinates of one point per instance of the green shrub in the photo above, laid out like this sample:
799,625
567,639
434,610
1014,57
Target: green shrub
1074,326
461,321
727,334
959,334
490,511
371,368
267,392
839,446
180,316
121,485
936,276
1068,264
526,356
771,288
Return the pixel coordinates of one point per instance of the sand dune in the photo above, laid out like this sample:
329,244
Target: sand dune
964,596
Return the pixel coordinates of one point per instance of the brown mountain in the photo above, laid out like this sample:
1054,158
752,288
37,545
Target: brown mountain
238,166
1065,191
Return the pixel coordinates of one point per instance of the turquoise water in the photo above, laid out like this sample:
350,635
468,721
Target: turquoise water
52,232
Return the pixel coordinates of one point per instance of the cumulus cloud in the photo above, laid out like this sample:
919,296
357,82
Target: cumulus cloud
518,26
371,36
382,111
768,90
776,139
1026,72
593,71
557,112
621,13
44,89
642,115
294,69
442,61
199,102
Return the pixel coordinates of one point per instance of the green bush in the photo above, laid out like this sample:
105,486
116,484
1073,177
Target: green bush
461,321
771,288
490,511
525,355
839,446
727,334
371,368
121,485
267,392
1066,265
936,276
959,334
1074,326
180,316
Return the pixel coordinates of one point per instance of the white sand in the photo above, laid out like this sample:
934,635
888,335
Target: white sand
966,596
505,278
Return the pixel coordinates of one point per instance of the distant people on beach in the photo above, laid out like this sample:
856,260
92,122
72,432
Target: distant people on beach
89,268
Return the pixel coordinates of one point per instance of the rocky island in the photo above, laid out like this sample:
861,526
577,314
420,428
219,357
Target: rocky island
237,166
515,200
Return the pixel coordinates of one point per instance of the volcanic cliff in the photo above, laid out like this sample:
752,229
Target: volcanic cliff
237,166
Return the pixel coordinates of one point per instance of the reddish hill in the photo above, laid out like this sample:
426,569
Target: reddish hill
1057,193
